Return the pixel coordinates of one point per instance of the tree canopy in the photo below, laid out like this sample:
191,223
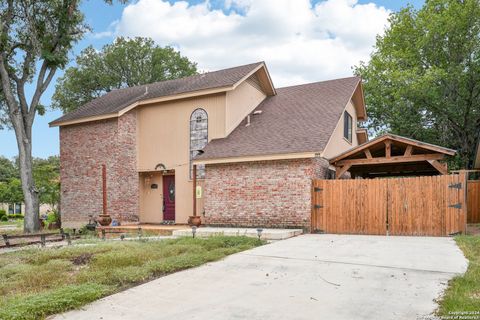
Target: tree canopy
423,78
35,39
46,173
124,63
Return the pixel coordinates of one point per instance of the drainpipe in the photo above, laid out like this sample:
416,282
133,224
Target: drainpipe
194,190
104,187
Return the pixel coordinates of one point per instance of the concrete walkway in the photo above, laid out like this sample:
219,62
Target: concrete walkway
306,277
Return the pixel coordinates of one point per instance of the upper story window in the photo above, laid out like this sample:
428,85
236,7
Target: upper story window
198,138
347,126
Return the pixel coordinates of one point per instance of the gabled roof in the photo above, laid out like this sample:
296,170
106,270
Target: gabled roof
116,102
298,119
390,136
390,155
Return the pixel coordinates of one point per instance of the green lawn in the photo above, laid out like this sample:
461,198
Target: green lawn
35,283
18,223
463,293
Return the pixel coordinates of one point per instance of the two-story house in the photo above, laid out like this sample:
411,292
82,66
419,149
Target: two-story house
256,148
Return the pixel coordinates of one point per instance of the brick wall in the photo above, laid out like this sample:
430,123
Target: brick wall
83,150
265,193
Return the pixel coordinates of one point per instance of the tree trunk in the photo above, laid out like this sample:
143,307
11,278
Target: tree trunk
30,193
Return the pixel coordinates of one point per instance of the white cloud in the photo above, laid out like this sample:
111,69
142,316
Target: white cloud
299,41
101,35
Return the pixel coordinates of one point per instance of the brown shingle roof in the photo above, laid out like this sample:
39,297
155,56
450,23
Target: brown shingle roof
117,100
298,119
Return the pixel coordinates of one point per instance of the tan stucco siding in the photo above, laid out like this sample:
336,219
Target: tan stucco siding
337,143
164,137
240,102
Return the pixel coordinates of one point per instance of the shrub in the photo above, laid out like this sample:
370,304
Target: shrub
3,212
16,216
53,216
3,218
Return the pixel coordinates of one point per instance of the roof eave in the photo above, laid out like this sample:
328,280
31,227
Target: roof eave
265,79
251,158
143,102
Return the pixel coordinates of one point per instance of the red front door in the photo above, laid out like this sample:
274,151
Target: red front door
169,198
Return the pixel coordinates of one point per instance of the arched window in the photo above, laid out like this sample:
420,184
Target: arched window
198,138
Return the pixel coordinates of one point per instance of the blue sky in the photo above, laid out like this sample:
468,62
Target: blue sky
109,21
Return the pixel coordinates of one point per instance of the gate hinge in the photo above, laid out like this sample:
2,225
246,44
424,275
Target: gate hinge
456,206
317,189
455,185
317,206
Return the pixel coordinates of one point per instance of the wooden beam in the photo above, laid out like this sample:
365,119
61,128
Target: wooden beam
442,168
368,153
394,138
408,151
388,149
395,159
396,168
341,170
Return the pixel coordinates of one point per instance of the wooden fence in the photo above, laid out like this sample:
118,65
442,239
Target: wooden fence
433,206
473,198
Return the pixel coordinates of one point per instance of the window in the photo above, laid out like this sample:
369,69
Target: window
198,138
15,208
347,126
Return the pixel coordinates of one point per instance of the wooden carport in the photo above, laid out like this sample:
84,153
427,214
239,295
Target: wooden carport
421,200
392,155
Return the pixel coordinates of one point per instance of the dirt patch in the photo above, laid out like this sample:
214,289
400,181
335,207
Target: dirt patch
82,259
473,229
475,295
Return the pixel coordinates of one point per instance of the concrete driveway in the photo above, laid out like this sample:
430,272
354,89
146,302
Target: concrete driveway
306,277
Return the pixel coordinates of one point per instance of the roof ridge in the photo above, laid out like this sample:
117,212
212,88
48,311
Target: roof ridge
318,82
190,76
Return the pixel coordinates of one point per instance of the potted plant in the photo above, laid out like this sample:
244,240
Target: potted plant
194,221
104,220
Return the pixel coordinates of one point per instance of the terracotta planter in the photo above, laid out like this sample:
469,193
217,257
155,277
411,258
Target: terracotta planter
104,220
194,221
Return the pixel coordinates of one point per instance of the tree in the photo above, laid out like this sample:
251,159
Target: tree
11,191
8,170
46,173
422,80
35,38
124,63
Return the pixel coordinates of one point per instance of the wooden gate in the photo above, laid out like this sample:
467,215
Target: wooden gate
434,206
473,199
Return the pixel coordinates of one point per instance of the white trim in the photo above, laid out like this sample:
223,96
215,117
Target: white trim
283,156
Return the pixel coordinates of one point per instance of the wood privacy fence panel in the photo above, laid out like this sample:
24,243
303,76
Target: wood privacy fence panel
434,206
473,199
426,206
350,206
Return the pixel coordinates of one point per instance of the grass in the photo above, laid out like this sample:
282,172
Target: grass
18,223
463,293
35,283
